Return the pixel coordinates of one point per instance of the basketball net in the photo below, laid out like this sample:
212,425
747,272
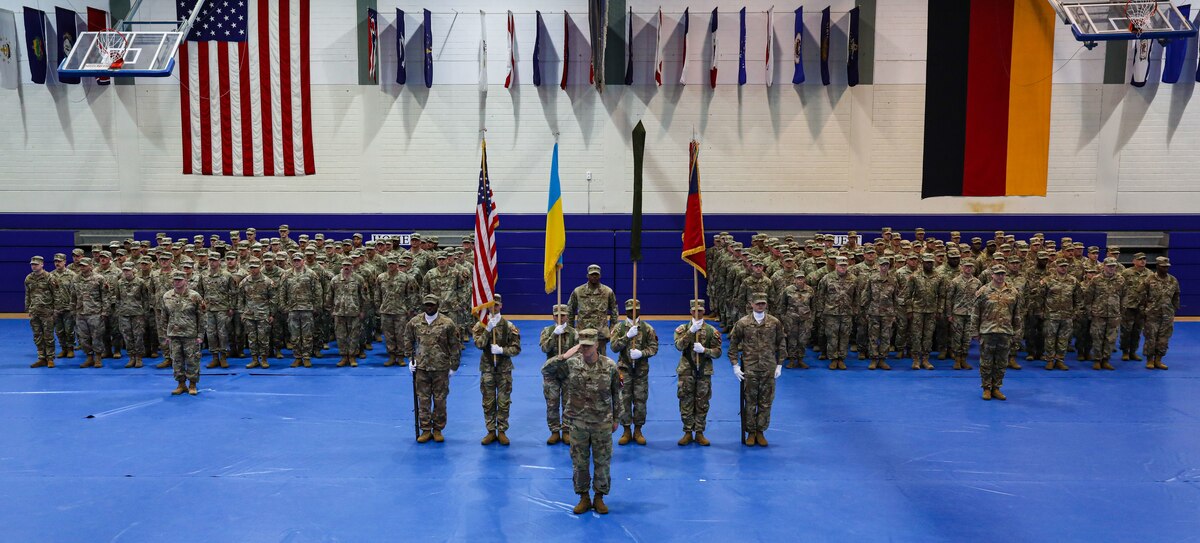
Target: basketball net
112,44
1139,13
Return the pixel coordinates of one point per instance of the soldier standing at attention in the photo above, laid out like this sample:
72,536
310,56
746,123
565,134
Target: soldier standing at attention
756,348
797,317
836,295
392,299
133,300
91,308
593,386
879,300
997,312
923,295
1160,301
960,299
635,342
698,343
237,331
40,289
593,305
256,300
1061,297
160,284
1104,299
349,308
183,307
444,283
498,341
64,308
218,289
432,344
300,295
1132,319
555,340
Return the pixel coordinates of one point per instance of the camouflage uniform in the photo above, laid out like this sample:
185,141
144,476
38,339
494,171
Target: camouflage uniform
219,292
553,389
92,294
393,298
759,348
300,294
997,312
879,300
256,305
40,290
445,284
237,329
592,392
594,308
160,283
434,349
1035,316
64,309
694,373
183,313
797,317
349,296
1132,319
133,302
1061,299
1160,301
924,297
635,374
495,371
1104,300
836,296
960,299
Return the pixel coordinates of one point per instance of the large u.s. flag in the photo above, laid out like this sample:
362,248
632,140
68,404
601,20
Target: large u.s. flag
483,273
244,88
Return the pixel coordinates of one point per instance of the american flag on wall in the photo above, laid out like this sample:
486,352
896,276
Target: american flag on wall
483,273
244,88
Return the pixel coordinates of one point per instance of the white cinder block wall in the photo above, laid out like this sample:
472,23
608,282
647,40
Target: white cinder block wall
784,149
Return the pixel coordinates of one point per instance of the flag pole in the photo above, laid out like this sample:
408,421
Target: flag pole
695,284
635,298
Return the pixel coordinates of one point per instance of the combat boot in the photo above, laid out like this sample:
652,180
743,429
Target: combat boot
1059,365
179,389
987,394
115,353
139,362
216,361
192,388
1106,365
297,363
566,439
626,436
841,363
874,364
760,439
791,364
87,363
425,437
1012,363
966,365
925,363
1050,364
63,354
96,362
70,353
502,439
552,439
307,362
224,360
438,437
1125,356
823,356
585,504
132,362
345,361
701,440
166,363
800,364
49,362
1096,366
916,363
749,439
263,362
1158,363
1134,356
1150,363
41,363
391,361
687,438
353,363
997,395
253,362
488,439
941,355
637,436
278,354
883,365
599,505
1030,358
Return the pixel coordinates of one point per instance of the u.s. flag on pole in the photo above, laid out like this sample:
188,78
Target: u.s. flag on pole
244,88
483,273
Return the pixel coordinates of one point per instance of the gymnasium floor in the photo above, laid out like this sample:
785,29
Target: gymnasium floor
327,454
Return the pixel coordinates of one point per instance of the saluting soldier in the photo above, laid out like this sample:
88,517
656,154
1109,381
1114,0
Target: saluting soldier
133,301
432,344
183,308
498,341
40,290
1160,301
698,343
593,305
756,348
996,314
555,340
634,342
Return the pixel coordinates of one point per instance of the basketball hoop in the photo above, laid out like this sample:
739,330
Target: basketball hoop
1139,13
112,45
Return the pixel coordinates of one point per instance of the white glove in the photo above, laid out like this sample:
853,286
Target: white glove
492,324
452,373
698,347
496,349
412,367
635,354
778,371
633,331
696,326
737,372
560,329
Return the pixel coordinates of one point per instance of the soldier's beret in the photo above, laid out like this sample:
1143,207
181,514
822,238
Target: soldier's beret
560,309
1139,256
594,268
697,304
497,299
631,304
760,297
588,336
178,275
431,299
1110,261
127,266
36,260
60,256
1162,261
1000,270
926,257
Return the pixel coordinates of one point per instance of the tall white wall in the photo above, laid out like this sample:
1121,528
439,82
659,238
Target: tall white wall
783,149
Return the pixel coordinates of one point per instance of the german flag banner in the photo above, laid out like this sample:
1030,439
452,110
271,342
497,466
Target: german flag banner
987,98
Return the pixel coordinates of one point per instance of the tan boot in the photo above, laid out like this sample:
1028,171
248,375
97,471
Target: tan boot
1125,356
916,362
957,364
307,362
1106,365
1012,363
41,363
966,365
874,364
391,361
637,436
749,439
96,362
1150,363
353,363
297,363
701,440
800,364
833,365
566,439
224,360
599,505
438,437
345,361
1096,366
49,362
925,363
132,362
760,439
552,439
192,388
997,395
70,353
883,365
626,436
179,389
262,362
1050,364
502,439
1158,363
87,363
687,438
425,437
841,362
584,505
166,363
488,439
1059,365
987,394
253,362
139,362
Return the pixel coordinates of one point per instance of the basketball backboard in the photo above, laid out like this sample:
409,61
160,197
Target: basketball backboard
144,54
1094,21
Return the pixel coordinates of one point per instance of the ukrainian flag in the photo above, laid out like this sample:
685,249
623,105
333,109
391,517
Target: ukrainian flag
556,231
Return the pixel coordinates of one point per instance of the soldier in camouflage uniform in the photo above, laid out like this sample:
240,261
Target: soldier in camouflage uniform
903,320
64,307
555,340
237,330
1159,301
1061,300
996,314
444,283
219,291
41,287
183,308
300,294
323,320
112,331
133,302
593,386
1083,320
796,312
923,296
256,305
960,300
498,341
392,300
433,346
1035,316
1017,280
593,305
756,282
92,304
160,284
756,348
879,300
698,343
634,342
1132,319
1104,300
837,295
278,326
349,298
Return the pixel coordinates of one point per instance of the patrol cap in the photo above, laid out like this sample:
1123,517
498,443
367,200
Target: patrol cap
756,263
1062,262
231,256
953,253
885,260
321,257
430,299
842,260
415,236
1114,250
976,239
188,263
122,252
1043,255
594,268
999,269
297,256
105,254
919,231
283,227
256,246
497,299
760,297
954,233
251,231
254,263
1162,261
1139,256
269,255
913,256
968,263
696,304
60,256
303,237
235,233
431,239
1092,270
36,260
310,250
1110,261
926,257
319,236
588,336
799,275
559,309
869,249
1093,249
145,260
346,262
632,303
391,260
126,266
1014,260
178,275
164,256
85,261
357,236
789,258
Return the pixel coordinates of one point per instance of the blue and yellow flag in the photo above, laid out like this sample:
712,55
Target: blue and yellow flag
556,230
